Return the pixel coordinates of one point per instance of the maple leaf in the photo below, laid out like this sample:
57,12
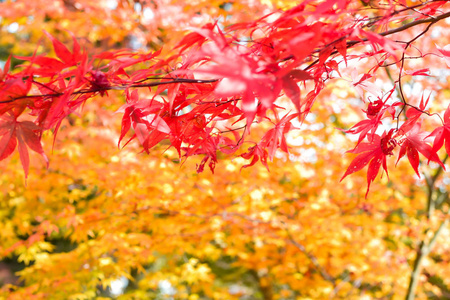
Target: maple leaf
442,134
212,164
373,153
386,44
364,127
413,114
5,70
23,134
240,75
255,153
14,87
413,144
64,54
194,38
445,51
291,88
421,72
341,47
361,84
328,5
275,137
375,112
47,65
143,117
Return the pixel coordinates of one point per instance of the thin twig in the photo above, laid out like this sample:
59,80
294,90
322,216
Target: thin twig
323,272
424,248
112,87
386,33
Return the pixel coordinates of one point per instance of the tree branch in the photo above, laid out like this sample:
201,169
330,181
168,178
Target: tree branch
114,87
415,23
424,248
325,275
386,33
422,252
430,185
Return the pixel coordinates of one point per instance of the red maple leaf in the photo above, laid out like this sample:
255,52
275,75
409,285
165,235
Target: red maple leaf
256,153
373,153
364,127
291,88
442,133
413,114
143,117
275,137
21,134
415,143
445,51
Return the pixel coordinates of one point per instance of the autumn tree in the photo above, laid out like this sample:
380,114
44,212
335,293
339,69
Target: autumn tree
248,89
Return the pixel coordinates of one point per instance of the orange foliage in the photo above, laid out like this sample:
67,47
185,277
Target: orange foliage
100,214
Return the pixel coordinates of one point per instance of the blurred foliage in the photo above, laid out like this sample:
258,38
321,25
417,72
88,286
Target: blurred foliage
100,213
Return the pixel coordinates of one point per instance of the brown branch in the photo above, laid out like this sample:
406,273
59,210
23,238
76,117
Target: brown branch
424,248
113,87
430,186
422,252
400,85
386,33
322,271
265,288
415,23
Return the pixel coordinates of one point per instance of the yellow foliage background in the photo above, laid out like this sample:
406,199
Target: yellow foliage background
99,214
